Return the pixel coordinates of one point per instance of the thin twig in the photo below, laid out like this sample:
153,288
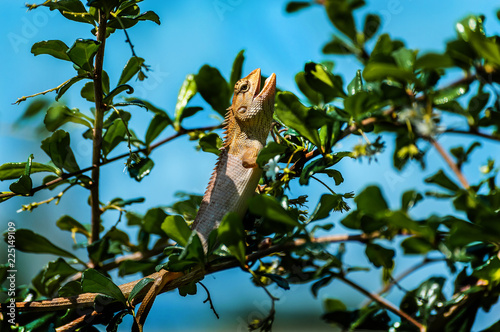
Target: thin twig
404,274
383,302
209,300
324,184
450,162
473,133
23,98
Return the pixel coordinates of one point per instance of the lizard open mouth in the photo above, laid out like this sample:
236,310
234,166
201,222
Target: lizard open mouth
269,86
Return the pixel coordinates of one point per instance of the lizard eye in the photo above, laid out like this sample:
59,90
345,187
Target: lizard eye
244,87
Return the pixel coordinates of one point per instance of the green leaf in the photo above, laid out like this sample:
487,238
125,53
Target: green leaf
138,170
416,246
62,90
95,282
332,305
87,92
294,6
213,88
113,136
22,186
370,201
410,199
187,112
236,70
82,53
371,26
192,255
377,71
280,281
186,93
380,256
176,228
56,48
433,61
232,234
58,149
153,221
211,143
320,79
334,174
11,171
108,99
326,204
448,94
340,14
405,58
320,165
442,180
72,288
338,46
304,120
43,323
71,9
35,106
149,16
60,114
52,275
67,223
320,284
271,150
189,289
362,104
268,207
424,300
385,46
29,241
356,84
471,30
132,67
313,96
139,287
156,126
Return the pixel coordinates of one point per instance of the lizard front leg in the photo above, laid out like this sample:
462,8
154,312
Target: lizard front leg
249,158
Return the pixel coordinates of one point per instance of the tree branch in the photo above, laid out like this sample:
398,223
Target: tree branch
87,300
450,162
404,274
98,126
473,133
383,302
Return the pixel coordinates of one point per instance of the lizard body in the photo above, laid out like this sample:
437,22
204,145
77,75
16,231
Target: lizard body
234,180
236,173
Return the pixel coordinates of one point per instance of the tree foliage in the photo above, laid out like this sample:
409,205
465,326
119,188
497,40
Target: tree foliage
398,95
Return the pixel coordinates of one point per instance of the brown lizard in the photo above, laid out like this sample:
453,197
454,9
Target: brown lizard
236,173
234,180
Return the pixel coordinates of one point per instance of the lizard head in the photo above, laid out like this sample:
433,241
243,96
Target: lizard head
250,104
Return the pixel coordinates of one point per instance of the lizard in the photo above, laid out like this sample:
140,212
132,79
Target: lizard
235,178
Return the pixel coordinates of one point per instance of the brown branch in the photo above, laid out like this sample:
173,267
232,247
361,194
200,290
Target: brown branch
404,274
473,133
450,163
100,108
196,274
383,302
146,150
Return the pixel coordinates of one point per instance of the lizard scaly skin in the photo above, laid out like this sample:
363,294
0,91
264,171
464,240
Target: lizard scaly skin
234,180
237,174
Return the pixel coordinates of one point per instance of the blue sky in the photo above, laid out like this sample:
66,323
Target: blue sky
193,33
